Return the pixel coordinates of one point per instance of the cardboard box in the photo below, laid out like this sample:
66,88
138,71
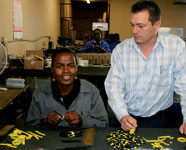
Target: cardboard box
34,60
96,58
108,57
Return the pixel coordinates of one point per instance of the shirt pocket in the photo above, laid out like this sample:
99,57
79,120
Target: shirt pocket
162,76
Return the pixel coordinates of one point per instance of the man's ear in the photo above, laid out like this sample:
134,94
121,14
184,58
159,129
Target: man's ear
157,24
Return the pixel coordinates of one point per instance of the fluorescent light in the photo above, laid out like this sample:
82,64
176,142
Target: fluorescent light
88,1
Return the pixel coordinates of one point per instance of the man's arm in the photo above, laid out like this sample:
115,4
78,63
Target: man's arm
115,85
104,47
89,45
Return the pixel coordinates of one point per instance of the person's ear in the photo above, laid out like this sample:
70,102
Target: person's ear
157,24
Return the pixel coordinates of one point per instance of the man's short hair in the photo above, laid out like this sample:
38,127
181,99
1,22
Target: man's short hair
150,6
97,29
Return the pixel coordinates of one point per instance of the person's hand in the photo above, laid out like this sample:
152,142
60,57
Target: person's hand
128,123
90,47
53,118
73,118
182,128
100,49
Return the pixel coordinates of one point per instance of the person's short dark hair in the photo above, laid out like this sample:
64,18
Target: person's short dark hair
116,36
97,29
64,50
111,37
150,6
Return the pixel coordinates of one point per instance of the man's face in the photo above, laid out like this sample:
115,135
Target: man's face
142,29
64,69
97,36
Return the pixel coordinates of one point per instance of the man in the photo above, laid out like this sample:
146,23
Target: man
145,71
114,40
96,45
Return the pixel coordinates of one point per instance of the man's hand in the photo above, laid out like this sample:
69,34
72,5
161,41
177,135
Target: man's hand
100,49
73,118
128,123
53,118
90,47
182,128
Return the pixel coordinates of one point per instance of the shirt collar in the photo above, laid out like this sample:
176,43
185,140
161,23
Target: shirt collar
159,41
99,41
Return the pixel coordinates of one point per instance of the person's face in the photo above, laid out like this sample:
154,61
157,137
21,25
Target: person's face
97,36
142,29
64,69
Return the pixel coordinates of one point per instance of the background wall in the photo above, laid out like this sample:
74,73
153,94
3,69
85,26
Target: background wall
40,18
172,16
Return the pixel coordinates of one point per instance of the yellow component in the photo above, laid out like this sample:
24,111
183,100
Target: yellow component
17,132
17,142
157,145
62,117
132,131
133,139
125,142
71,132
70,135
181,139
9,145
150,141
35,135
161,139
19,137
20,140
164,143
165,137
40,133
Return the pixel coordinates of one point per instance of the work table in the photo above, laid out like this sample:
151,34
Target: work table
53,141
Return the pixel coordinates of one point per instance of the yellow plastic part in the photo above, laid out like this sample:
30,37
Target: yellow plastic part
181,139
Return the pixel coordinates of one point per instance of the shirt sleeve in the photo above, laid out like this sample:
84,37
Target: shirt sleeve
33,117
84,49
97,116
115,85
106,47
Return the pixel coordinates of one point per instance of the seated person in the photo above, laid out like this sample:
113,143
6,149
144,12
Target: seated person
114,40
67,100
96,45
